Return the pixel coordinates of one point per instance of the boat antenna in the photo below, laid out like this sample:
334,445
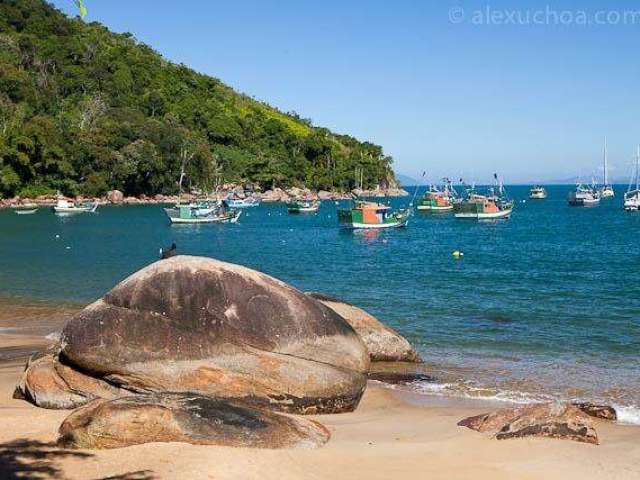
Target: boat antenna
415,194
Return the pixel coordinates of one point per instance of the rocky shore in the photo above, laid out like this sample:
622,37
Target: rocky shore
193,367
116,197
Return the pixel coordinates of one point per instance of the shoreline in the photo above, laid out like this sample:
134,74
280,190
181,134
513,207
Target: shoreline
448,387
277,195
392,434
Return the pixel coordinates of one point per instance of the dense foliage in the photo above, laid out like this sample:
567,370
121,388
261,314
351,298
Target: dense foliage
84,110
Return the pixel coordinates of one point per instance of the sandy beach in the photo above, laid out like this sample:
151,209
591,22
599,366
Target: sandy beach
393,434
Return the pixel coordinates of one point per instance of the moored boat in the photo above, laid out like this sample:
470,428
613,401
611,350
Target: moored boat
632,196
607,190
25,209
495,205
538,192
372,215
437,199
67,207
483,207
234,202
182,214
303,206
584,196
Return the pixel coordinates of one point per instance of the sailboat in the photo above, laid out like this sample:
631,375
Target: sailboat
584,196
607,190
632,197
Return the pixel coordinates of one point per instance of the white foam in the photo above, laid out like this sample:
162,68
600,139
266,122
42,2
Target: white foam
467,391
628,415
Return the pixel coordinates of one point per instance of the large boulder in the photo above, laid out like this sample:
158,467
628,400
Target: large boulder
189,418
49,384
192,324
383,343
553,420
115,196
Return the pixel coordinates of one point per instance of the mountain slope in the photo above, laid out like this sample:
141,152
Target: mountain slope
84,110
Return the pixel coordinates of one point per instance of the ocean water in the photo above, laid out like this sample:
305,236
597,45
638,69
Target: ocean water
543,305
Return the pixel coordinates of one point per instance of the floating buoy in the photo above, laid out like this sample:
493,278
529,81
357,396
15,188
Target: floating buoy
57,236
458,254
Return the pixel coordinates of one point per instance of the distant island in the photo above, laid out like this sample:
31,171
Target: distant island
84,111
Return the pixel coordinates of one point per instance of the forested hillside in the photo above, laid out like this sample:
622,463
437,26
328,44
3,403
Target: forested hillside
85,110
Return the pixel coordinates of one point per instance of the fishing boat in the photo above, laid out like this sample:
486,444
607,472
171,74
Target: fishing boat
303,206
438,199
632,196
584,196
234,202
66,207
495,205
607,190
370,215
538,192
182,214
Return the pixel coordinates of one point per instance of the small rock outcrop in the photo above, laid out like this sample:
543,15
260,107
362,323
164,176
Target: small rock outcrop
192,324
49,384
189,418
383,343
603,412
552,420
398,373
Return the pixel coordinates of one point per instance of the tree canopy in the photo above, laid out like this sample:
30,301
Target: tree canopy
85,110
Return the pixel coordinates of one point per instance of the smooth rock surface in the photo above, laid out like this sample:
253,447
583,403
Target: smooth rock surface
553,420
383,343
48,383
192,324
189,418
115,196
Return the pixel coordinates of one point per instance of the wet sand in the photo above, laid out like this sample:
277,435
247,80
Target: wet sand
392,435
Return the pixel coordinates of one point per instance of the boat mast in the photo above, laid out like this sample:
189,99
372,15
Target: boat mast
637,170
606,176
637,167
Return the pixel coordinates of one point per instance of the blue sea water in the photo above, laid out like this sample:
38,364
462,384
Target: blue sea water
543,305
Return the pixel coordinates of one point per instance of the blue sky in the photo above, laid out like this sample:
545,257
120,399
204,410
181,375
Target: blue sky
528,97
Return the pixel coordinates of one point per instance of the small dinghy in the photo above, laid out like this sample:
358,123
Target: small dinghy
25,211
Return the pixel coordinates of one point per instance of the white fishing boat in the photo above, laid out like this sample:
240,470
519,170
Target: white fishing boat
538,192
584,196
607,190
632,196
67,207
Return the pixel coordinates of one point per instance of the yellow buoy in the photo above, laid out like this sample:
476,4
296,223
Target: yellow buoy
458,254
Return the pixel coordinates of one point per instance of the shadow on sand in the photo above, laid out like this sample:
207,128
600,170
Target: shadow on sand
31,459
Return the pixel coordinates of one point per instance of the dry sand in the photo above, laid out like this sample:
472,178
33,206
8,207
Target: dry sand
392,435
